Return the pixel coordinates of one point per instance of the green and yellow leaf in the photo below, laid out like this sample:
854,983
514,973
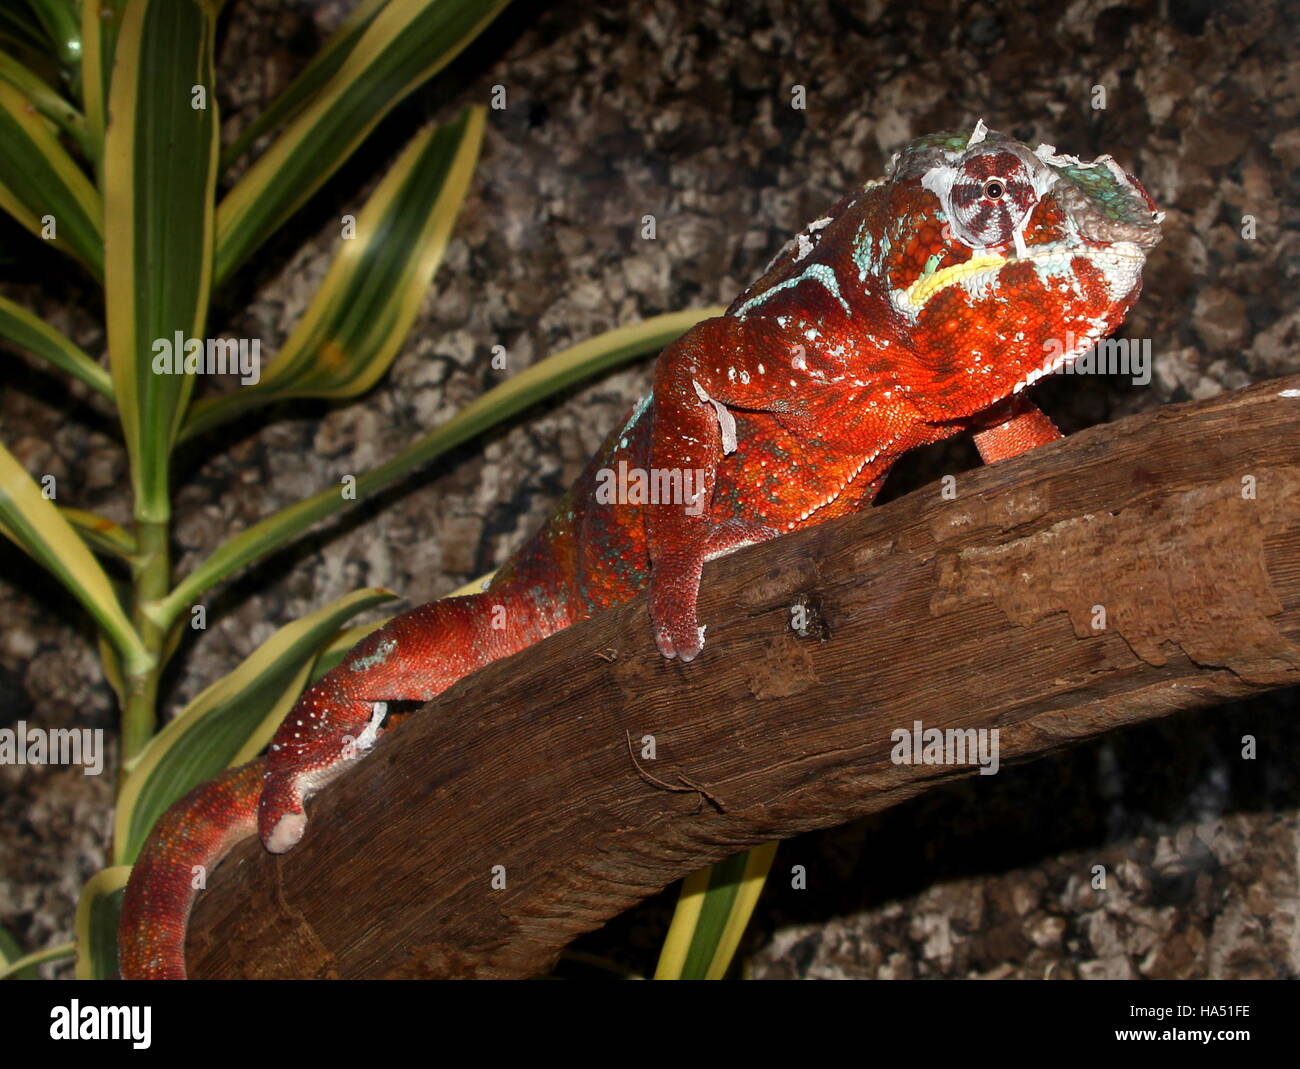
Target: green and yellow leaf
160,169
111,663
310,80
360,316
25,966
36,524
405,44
12,965
97,914
101,533
41,186
712,913
15,965
61,113
30,332
100,22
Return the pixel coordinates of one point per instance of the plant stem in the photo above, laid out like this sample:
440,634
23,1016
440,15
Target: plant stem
151,577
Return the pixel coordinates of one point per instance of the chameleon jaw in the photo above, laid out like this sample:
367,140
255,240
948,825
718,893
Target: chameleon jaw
981,269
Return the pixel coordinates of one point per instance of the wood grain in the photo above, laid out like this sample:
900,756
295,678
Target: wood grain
972,612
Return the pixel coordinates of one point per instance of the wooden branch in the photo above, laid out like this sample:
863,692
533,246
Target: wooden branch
1181,527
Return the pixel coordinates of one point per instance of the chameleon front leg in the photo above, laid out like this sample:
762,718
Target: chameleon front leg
745,363
1013,427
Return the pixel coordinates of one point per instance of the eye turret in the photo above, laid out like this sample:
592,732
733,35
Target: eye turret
991,196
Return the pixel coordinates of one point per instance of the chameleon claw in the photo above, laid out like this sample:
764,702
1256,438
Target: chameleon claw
685,647
665,644
287,833
281,817
689,650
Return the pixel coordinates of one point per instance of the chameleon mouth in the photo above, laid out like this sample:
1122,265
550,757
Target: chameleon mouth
1051,367
1122,262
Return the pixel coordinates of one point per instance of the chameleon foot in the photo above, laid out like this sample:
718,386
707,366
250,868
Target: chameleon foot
298,769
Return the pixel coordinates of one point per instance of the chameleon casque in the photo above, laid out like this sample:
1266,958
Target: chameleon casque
921,305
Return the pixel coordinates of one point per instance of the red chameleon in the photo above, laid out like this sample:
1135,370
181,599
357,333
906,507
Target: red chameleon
919,306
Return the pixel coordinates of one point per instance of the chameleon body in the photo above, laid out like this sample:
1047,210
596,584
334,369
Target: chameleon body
919,306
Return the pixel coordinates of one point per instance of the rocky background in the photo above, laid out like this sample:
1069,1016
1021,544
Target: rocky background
683,110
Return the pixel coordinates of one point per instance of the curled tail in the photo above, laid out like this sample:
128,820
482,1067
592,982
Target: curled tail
188,841
413,658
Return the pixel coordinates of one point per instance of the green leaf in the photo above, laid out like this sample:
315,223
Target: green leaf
159,184
403,46
517,393
97,913
24,967
40,185
112,665
712,912
37,525
229,722
59,19
101,533
42,96
29,332
360,316
310,80
11,952
100,22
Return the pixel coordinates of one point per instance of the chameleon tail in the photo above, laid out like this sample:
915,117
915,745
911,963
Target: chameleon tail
188,841
413,658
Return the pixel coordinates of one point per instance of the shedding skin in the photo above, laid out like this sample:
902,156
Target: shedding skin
918,307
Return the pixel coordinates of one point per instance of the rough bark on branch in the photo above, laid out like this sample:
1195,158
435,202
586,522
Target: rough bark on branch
1183,525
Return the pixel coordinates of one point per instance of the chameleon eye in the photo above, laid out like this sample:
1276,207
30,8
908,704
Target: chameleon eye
991,196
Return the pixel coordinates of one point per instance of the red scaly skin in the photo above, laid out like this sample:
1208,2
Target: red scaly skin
920,306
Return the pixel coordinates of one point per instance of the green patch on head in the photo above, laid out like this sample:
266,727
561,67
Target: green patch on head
1111,196
948,141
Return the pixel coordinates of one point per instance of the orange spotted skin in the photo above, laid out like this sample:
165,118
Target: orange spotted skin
919,307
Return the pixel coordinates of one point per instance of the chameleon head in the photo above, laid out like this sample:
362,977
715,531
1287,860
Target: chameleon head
1003,262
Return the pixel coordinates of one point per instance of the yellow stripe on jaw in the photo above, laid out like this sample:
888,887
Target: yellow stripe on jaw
919,292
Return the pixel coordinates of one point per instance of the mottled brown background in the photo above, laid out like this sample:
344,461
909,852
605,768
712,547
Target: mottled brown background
681,109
